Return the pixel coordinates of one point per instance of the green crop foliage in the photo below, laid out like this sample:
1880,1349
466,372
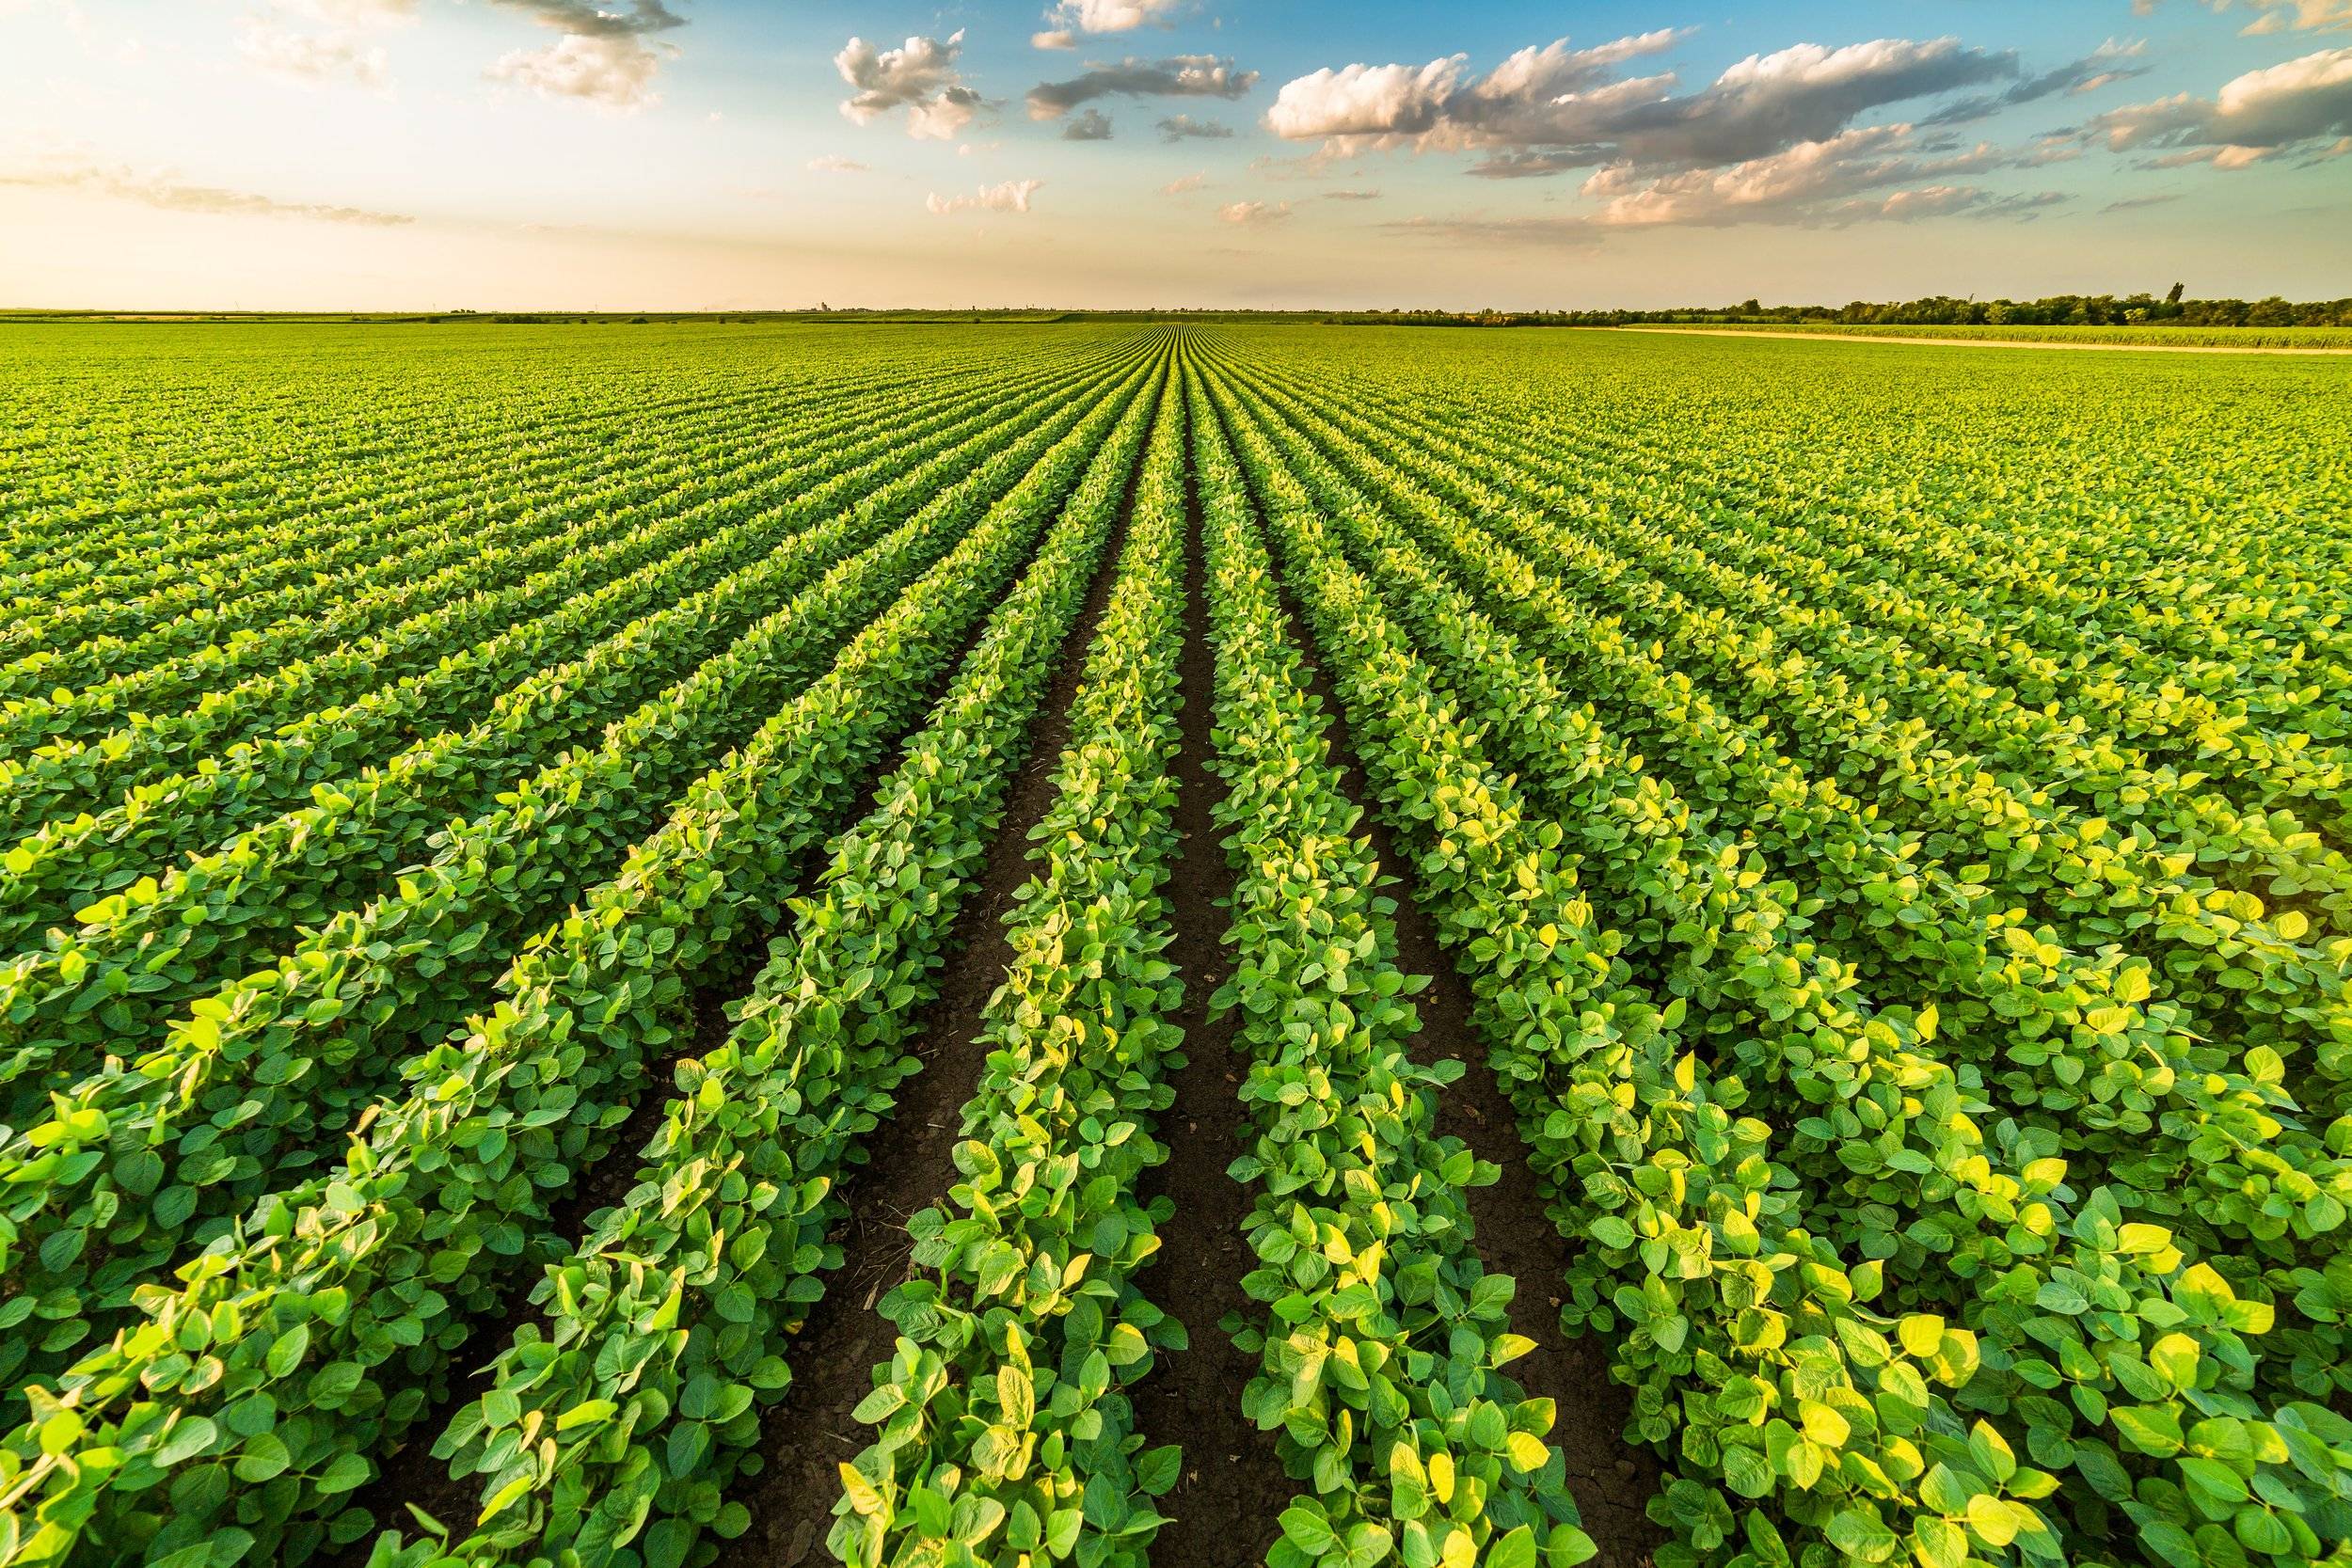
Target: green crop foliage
494,820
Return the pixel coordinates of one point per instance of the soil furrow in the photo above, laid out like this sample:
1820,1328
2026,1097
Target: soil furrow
1232,1488
410,1476
1612,1479
808,1436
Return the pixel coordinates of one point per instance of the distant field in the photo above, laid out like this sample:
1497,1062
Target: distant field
2151,337
1071,946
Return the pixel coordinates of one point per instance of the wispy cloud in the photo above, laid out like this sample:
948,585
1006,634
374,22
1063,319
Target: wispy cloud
1494,232
1179,76
2102,66
1177,128
1184,184
1253,214
313,59
1013,196
166,190
1811,182
833,163
2278,16
320,42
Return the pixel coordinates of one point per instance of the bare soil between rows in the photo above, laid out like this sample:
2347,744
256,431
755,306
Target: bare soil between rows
1232,1489
1611,1479
808,1436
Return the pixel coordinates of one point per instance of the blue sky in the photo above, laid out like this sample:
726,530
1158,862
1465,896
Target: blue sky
716,153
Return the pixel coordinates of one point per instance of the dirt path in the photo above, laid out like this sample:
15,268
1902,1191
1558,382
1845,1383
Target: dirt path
1975,343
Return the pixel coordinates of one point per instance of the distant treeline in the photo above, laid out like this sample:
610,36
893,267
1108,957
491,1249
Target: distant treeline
2140,310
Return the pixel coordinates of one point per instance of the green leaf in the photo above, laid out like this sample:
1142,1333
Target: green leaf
2150,1429
1514,1550
1862,1535
348,1471
1305,1528
189,1436
1157,1469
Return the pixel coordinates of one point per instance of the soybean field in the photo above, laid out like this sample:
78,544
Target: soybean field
924,945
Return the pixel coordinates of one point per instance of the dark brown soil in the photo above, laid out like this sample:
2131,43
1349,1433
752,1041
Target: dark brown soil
1232,1488
1612,1479
810,1433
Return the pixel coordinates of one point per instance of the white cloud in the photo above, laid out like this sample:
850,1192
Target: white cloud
165,189
833,163
1011,197
601,19
2278,16
269,40
1184,184
1253,214
2284,107
1054,37
1113,16
1935,201
310,59
1179,76
920,75
352,14
601,56
613,72
1364,101
1812,182
1546,110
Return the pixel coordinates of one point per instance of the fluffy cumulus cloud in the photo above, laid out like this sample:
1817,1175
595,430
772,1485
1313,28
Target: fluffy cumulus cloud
1781,136
1547,110
1179,76
1093,125
1072,17
602,55
1011,196
613,73
169,191
2301,106
1177,128
1364,101
920,76
1185,185
1253,214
